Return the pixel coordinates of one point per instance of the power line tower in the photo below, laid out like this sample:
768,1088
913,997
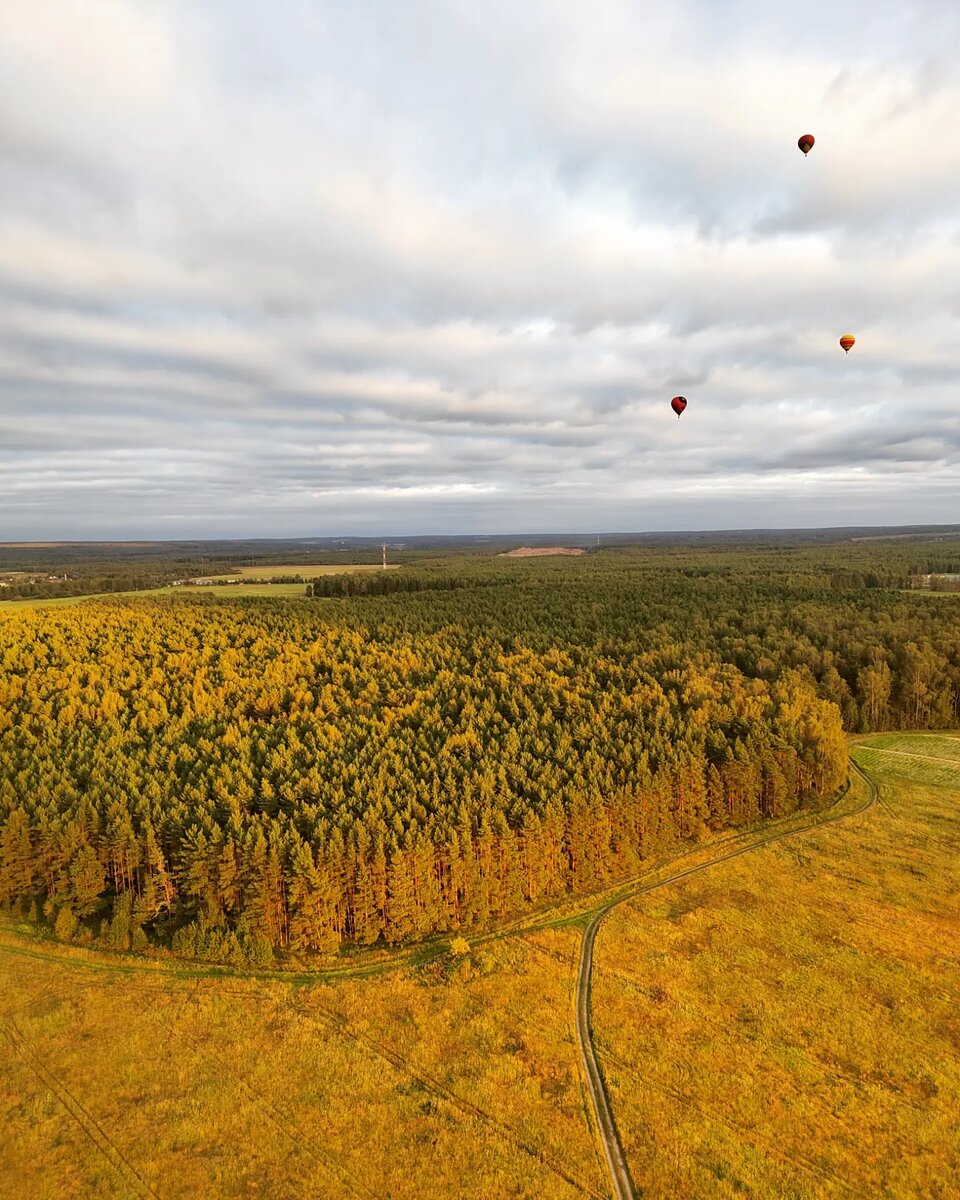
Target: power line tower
384,549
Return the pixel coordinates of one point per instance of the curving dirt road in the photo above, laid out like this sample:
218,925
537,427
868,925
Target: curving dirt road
609,1136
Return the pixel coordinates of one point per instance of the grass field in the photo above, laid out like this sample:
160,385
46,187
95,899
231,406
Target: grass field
241,589
787,1025
271,571
456,1079
60,601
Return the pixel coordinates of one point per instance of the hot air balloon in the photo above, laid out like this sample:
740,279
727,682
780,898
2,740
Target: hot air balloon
847,342
806,143
678,404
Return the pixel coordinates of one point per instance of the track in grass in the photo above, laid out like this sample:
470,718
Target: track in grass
439,1090
603,1113
807,994
87,1123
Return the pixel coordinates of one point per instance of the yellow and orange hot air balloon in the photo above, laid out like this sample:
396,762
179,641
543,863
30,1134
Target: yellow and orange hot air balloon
847,342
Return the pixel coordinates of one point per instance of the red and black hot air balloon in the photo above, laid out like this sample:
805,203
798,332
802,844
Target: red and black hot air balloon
806,143
848,341
678,404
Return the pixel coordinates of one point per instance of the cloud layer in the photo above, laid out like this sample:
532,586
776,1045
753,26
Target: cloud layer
323,268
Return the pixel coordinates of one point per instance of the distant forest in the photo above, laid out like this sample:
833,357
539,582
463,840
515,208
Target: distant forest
250,780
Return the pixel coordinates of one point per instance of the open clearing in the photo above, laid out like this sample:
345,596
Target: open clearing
226,593
63,601
453,1079
787,1024
270,571
238,589
784,1024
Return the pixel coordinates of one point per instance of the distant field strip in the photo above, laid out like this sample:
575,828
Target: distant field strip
226,593
952,762
239,587
307,571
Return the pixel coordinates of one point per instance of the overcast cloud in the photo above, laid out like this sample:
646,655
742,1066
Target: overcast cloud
325,267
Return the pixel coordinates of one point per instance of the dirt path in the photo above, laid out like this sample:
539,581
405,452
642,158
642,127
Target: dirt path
623,1188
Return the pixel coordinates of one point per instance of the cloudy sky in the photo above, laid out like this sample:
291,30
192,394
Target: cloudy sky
314,267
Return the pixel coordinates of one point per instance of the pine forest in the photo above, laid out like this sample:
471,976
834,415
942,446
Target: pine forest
259,781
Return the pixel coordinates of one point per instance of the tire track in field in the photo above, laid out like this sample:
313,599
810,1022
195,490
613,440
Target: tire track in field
87,1122
339,1024
903,818
950,762
569,962
432,1085
274,1114
45,993
744,1132
734,1035
180,997
623,1187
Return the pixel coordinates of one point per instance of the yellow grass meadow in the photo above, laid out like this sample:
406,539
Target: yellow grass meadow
458,1078
785,1024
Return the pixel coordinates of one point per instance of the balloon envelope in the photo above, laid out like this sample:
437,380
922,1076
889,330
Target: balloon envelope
806,143
678,404
847,342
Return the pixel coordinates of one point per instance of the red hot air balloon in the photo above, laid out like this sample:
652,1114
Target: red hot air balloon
806,143
678,404
848,341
